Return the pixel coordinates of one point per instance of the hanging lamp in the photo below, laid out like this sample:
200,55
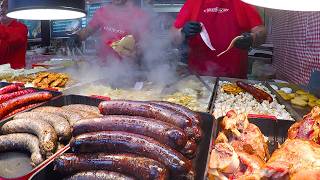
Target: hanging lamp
46,9
291,5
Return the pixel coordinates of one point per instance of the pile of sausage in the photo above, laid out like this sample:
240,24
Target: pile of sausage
43,130
134,139
14,99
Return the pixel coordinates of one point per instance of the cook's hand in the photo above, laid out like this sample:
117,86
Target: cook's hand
191,28
244,42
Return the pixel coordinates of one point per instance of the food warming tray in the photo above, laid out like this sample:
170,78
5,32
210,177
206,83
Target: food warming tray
289,108
17,164
171,88
300,111
208,126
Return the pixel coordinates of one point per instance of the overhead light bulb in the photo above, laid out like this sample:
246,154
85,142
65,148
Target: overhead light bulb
46,9
291,5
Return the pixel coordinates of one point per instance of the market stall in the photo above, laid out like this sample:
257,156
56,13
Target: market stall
137,111
90,121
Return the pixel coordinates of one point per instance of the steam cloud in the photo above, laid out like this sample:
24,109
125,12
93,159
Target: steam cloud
157,65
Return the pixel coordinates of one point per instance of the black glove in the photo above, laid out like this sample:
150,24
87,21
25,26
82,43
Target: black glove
191,29
244,42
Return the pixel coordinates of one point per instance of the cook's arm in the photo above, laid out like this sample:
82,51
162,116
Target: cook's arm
259,35
85,33
176,36
190,28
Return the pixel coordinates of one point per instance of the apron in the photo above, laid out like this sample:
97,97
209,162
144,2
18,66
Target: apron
219,18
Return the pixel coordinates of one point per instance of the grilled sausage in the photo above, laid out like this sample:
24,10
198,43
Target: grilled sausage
22,141
82,107
132,165
161,131
193,116
72,117
122,142
10,88
15,103
5,97
98,175
85,114
144,109
45,132
60,124
21,109
258,94
190,149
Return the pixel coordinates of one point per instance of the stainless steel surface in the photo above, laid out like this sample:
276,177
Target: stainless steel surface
298,111
288,108
202,81
14,164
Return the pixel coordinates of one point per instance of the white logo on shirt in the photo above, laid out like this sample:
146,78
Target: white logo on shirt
113,30
216,10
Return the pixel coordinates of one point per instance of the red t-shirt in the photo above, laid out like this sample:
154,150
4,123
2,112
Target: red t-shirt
224,20
13,44
116,22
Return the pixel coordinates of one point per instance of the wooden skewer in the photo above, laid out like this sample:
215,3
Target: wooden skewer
230,46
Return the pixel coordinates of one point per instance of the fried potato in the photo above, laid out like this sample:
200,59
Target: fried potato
231,89
63,83
56,82
299,102
286,97
304,97
312,103
292,95
312,98
301,92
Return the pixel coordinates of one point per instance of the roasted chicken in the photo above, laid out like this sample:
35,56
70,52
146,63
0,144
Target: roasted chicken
308,128
243,136
240,150
226,163
292,158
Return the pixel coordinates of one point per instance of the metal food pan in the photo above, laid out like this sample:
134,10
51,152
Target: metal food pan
288,108
208,126
275,130
17,164
213,82
299,111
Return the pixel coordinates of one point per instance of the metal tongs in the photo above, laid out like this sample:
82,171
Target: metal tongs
168,88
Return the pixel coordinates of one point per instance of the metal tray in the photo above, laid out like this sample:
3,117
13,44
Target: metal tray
77,88
299,111
208,126
17,164
291,111
55,94
275,130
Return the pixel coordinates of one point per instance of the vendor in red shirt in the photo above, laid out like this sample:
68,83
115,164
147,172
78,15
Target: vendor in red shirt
13,39
224,20
113,22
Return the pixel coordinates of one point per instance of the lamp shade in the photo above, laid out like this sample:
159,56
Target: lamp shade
46,9
291,5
